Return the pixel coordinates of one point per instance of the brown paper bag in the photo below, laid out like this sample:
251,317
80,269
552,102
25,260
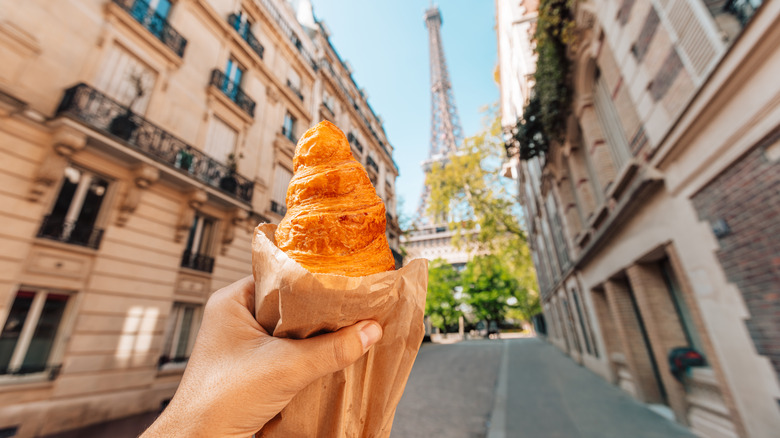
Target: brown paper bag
291,302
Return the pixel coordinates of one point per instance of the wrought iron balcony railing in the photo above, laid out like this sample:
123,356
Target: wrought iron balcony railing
233,91
294,89
246,33
76,233
742,9
155,23
289,32
199,262
371,163
278,208
98,111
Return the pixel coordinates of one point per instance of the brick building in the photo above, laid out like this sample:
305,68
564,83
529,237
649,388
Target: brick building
140,143
653,223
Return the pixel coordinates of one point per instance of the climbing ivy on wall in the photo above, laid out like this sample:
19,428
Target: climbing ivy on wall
544,118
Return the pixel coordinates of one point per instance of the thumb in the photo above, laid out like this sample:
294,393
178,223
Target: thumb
332,352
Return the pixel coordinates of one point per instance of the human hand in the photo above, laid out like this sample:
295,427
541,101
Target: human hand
239,377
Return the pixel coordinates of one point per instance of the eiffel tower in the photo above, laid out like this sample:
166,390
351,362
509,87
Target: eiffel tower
431,237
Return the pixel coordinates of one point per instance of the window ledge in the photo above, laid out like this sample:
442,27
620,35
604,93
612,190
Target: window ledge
195,272
137,28
216,94
51,243
171,368
622,180
25,382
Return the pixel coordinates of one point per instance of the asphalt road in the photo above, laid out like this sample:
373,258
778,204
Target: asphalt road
517,388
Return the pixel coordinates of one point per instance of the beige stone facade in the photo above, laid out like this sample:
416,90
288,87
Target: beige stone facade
653,225
118,223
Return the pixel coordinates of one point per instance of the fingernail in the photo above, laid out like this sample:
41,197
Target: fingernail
370,334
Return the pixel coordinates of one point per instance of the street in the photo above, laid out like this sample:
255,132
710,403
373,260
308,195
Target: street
453,392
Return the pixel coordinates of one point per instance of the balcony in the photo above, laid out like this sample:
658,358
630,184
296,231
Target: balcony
154,23
278,208
233,91
101,113
371,163
295,90
243,29
288,31
198,262
75,233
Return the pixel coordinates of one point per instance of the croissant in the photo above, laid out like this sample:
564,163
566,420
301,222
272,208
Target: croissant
335,222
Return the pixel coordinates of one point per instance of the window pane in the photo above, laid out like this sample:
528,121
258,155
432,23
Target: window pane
206,237
89,210
184,333
65,197
43,338
13,327
191,237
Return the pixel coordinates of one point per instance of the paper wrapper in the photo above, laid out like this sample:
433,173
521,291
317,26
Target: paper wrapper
291,302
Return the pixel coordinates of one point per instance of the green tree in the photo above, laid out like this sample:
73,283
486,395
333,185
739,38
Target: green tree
488,287
441,304
469,190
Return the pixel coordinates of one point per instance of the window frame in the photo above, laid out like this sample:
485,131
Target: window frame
211,242
291,133
57,350
173,330
101,219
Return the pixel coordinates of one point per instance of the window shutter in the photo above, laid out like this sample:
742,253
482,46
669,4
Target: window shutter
282,179
116,78
221,140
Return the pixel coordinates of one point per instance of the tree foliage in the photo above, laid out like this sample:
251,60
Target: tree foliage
482,206
488,286
544,118
441,304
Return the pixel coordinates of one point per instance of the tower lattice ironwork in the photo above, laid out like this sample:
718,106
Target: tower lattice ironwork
446,132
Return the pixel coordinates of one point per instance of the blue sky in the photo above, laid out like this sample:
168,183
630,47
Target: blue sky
386,43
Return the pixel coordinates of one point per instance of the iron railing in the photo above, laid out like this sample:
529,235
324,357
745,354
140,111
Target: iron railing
233,91
76,233
104,114
154,23
742,9
278,208
295,89
289,32
199,262
246,33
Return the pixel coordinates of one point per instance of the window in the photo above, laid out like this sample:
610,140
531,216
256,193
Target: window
294,83
182,327
327,100
288,127
220,141
242,24
76,210
610,124
683,311
200,245
153,14
31,330
282,179
234,73
126,79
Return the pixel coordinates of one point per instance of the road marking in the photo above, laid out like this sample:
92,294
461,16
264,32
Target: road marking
497,423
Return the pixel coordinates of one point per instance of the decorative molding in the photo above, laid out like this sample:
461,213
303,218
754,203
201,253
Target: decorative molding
236,218
66,141
144,176
195,201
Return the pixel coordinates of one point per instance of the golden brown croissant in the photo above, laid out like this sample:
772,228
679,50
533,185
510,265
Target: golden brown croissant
335,222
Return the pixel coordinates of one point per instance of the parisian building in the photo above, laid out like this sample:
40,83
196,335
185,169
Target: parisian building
141,141
653,222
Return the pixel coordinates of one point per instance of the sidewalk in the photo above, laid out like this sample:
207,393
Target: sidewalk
543,393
